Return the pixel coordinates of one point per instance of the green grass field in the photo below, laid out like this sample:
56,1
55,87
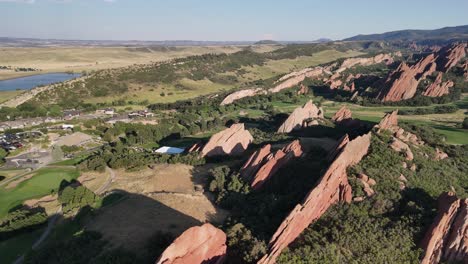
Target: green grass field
42,183
12,248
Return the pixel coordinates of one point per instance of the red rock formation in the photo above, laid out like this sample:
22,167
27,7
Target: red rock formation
340,144
199,244
331,188
449,56
242,94
465,70
231,141
401,84
299,115
263,164
447,238
255,162
367,183
295,78
351,62
400,146
343,114
303,89
195,147
389,121
440,155
437,88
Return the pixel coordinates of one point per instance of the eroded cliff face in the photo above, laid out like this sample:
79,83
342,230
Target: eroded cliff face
342,114
331,188
447,237
242,94
438,88
200,244
231,141
402,83
263,164
449,56
299,115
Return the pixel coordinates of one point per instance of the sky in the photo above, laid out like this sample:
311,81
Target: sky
222,20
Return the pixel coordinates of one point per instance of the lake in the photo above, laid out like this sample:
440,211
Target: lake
29,82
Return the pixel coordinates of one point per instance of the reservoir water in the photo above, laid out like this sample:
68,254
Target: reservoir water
29,82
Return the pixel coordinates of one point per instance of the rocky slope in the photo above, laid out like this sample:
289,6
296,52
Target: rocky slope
402,83
231,141
299,116
331,188
263,164
342,114
438,88
447,238
200,244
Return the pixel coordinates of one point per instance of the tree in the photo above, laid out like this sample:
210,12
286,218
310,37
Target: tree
465,123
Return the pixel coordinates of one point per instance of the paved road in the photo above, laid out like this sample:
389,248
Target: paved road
50,225
106,185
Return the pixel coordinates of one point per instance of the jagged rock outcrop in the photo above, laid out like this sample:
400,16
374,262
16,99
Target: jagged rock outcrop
200,244
400,146
449,56
447,238
231,141
332,187
440,155
342,114
303,89
438,88
254,162
389,121
299,115
402,83
402,182
294,78
367,183
351,62
242,94
340,144
465,70
274,162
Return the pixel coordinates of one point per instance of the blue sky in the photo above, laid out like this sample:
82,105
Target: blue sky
221,19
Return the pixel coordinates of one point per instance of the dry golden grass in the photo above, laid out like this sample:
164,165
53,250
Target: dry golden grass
7,95
161,199
78,59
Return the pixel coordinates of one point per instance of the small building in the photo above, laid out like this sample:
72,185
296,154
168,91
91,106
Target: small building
105,111
71,113
141,113
168,150
67,126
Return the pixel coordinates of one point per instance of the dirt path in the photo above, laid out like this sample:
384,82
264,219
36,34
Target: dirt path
106,185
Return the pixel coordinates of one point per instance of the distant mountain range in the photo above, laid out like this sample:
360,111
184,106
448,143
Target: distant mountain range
33,42
446,34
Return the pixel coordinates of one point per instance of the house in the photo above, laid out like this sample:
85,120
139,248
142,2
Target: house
70,114
141,113
67,126
105,111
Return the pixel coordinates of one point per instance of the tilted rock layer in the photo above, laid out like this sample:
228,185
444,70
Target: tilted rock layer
331,188
231,141
296,78
343,114
351,62
449,56
402,83
200,244
447,238
262,165
299,115
438,88
242,94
